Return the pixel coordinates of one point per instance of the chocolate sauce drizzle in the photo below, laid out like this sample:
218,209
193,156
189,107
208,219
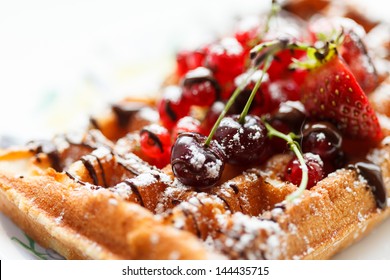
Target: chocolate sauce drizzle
91,170
154,139
373,175
124,112
48,148
135,190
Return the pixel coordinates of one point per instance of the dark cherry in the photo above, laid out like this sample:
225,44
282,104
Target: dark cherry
172,106
289,117
323,139
293,172
200,87
261,103
242,143
195,164
291,114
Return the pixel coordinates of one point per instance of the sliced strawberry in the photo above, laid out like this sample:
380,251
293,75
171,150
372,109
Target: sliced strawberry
352,48
331,92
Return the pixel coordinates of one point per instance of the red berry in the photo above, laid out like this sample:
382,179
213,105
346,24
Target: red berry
269,96
186,124
200,87
172,106
280,66
280,91
189,59
248,32
226,59
155,142
293,172
331,92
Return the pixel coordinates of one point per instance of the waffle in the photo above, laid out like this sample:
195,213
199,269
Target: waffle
94,195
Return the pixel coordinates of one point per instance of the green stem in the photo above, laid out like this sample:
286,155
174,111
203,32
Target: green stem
245,111
289,138
228,105
275,8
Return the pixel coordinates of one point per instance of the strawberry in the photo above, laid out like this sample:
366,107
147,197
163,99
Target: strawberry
352,48
331,92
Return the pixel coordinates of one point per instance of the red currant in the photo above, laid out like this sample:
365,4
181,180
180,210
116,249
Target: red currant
248,31
226,59
172,106
156,144
200,87
315,167
189,59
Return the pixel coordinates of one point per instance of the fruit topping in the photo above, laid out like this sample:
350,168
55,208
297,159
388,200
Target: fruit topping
196,164
226,59
293,172
200,87
155,142
242,142
331,92
172,106
323,139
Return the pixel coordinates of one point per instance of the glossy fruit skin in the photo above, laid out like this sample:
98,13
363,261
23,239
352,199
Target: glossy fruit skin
242,143
331,92
200,87
187,60
323,139
172,106
289,117
226,59
155,143
293,172
194,164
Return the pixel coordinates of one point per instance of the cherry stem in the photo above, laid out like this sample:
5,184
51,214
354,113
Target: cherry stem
230,102
294,146
275,8
245,111
266,58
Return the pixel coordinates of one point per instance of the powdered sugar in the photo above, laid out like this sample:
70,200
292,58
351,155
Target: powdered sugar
197,159
213,168
172,93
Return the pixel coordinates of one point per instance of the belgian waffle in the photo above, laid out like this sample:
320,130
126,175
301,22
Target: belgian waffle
94,195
